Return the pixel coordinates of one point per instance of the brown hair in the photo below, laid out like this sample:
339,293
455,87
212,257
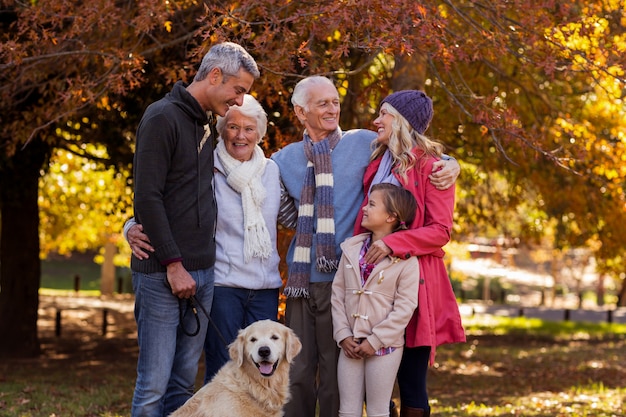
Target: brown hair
399,202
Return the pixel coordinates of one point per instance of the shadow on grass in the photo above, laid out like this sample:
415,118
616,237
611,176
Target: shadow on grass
535,368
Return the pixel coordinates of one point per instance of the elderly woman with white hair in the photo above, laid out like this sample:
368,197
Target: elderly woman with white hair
247,187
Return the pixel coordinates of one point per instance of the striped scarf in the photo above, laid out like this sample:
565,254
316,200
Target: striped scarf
316,199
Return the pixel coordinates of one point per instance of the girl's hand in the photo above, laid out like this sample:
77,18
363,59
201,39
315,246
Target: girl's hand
348,345
365,349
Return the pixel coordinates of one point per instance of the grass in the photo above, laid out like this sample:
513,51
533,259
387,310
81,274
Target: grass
80,372
537,328
59,274
508,367
65,385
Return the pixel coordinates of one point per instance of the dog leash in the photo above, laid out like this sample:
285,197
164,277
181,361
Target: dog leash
191,304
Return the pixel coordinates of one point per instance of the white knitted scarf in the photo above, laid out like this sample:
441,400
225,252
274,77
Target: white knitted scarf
245,178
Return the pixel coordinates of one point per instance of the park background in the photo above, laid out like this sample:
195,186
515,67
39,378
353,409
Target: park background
528,96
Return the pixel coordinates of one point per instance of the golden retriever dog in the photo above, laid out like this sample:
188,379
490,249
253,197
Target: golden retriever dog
255,382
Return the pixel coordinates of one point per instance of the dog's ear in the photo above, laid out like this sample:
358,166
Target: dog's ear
293,345
236,348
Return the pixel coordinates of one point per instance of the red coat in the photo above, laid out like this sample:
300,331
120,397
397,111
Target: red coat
437,319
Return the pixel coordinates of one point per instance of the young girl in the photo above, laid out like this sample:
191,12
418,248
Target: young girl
372,304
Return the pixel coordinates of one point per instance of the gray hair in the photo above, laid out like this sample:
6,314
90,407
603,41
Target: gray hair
230,58
302,90
249,108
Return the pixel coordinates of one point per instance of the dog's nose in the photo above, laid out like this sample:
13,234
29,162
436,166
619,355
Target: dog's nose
264,351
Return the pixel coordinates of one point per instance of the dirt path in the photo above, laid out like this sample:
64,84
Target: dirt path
71,325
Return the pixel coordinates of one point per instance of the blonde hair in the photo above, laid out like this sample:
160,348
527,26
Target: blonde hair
402,139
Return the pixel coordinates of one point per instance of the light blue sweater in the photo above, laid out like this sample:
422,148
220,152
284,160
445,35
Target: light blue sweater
350,158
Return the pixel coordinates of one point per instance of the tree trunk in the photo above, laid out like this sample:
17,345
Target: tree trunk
107,271
409,72
621,298
20,266
600,290
354,107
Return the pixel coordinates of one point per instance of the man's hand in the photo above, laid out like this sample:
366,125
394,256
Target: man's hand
445,173
139,242
181,282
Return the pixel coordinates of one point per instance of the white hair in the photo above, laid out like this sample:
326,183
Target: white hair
302,90
249,108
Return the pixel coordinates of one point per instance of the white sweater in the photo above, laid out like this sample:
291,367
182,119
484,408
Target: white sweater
230,268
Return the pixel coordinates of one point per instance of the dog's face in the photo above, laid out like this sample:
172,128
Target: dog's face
265,344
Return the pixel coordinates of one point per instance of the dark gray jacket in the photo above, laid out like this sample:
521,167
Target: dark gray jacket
174,199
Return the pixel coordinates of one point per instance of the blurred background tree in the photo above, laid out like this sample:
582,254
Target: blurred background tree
528,95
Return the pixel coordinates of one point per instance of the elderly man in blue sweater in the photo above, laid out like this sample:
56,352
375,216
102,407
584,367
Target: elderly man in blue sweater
323,174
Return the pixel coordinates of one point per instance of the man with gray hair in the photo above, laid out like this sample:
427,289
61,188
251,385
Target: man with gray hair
175,204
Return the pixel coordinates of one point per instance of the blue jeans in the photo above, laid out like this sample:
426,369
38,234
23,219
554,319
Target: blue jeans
168,358
234,309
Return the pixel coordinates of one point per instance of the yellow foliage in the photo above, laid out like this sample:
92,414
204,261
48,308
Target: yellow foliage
335,36
81,204
103,104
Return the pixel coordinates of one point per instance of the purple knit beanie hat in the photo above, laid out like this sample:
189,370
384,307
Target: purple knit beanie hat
414,105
